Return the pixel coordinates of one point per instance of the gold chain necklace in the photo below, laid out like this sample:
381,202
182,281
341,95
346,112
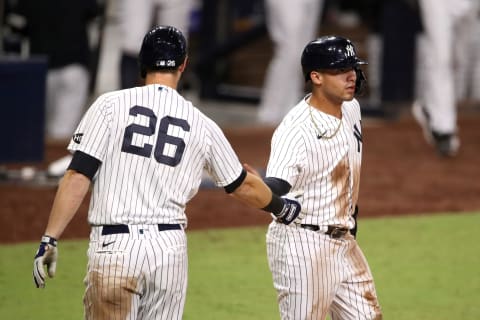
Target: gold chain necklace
322,135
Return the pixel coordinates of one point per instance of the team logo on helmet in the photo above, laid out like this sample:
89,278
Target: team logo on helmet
349,51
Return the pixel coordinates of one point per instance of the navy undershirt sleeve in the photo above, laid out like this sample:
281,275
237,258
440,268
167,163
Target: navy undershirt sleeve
84,164
278,186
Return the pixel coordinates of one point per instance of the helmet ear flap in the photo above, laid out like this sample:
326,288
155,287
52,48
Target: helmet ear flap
361,81
143,72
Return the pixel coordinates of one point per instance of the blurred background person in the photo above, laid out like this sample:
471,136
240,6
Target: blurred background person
392,71
291,25
467,54
443,51
58,30
475,87
136,18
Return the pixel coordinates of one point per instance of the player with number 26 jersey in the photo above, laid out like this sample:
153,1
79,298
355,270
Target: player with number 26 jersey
140,135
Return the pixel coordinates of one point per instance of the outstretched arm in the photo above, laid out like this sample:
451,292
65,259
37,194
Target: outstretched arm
278,186
254,192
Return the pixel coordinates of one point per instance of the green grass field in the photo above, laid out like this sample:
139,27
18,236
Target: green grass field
425,267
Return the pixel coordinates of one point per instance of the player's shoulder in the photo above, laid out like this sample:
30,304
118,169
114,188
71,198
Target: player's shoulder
190,110
296,116
209,124
352,103
109,96
294,122
352,107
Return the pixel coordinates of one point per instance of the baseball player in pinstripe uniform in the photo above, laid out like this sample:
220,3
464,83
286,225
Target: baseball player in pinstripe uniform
316,151
144,150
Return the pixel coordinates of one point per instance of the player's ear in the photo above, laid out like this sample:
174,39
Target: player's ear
316,77
182,67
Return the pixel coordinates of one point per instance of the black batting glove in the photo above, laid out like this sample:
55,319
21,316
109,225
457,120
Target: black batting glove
286,209
290,211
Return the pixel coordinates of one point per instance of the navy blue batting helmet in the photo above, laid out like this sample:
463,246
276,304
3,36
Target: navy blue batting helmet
163,48
332,52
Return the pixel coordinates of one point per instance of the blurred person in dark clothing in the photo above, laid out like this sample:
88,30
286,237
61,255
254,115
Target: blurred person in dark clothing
59,30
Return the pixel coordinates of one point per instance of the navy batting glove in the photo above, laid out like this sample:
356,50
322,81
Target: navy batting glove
290,211
46,255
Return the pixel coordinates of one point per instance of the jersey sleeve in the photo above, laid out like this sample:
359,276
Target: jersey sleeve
91,135
223,164
287,154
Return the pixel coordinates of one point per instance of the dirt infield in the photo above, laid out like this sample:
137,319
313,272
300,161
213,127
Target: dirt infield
401,175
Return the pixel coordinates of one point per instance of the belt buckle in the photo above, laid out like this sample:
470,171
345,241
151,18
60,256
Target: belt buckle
336,232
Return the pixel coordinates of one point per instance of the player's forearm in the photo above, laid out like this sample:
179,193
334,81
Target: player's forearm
253,192
70,194
256,193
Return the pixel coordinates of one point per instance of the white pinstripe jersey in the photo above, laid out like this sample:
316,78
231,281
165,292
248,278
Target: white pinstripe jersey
326,169
153,145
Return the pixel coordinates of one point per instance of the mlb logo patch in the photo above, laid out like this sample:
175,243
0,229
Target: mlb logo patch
77,137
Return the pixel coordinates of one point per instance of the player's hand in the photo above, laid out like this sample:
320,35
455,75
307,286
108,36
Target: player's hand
46,255
290,212
291,204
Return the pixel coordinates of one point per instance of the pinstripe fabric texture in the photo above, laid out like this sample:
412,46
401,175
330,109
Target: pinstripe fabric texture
136,275
140,185
154,147
313,273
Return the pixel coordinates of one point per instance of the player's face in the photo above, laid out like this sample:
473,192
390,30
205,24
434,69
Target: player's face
338,84
341,82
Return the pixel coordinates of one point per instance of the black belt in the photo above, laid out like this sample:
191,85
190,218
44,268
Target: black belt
123,228
333,231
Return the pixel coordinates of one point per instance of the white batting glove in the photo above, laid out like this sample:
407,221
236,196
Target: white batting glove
46,255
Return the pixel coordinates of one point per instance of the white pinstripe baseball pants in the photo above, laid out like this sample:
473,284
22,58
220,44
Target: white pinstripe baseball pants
315,275
136,275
